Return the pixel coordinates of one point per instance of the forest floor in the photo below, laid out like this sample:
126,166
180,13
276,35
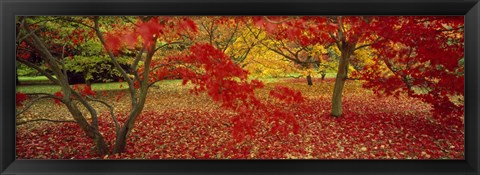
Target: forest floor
176,124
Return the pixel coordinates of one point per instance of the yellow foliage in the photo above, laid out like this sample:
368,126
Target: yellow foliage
260,61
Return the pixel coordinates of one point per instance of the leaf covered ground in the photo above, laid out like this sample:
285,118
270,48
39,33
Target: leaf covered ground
178,125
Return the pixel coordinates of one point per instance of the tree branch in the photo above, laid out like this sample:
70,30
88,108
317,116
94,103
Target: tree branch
156,81
90,109
45,120
69,19
39,98
40,45
276,22
231,38
117,125
171,43
131,86
43,72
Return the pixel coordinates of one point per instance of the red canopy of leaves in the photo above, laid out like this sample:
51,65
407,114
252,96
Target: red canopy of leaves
421,52
148,31
210,70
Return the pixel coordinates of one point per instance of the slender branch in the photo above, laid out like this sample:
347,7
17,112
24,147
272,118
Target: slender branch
43,72
211,32
276,22
69,19
117,125
256,35
45,120
278,52
349,78
367,45
27,35
90,109
231,38
129,20
362,46
36,99
206,30
160,65
156,81
116,64
133,67
288,50
171,43
40,45
62,61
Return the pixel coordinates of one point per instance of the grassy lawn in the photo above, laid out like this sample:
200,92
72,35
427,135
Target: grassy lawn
55,88
113,86
328,75
36,78
47,88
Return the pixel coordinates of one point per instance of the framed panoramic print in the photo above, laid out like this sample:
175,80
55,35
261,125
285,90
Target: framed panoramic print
202,87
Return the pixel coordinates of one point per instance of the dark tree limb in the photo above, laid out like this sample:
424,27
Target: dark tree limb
43,72
116,64
45,120
112,114
39,98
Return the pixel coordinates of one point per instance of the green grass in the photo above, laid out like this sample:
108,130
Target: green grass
35,78
331,75
56,88
43,88
113,86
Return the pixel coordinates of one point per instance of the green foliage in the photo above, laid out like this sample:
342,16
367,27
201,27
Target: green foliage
23,70
90,65
90,59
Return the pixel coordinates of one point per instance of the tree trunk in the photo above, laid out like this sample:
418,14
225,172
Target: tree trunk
323,76
346,51
88,82
309,80
100,145
121,139
122,135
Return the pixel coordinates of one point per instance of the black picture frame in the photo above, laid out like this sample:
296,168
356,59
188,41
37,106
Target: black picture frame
10,8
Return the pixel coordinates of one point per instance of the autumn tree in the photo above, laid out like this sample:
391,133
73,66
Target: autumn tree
223,32
352,33
141,35
34,31
423,57
306,57
347,34
208,68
